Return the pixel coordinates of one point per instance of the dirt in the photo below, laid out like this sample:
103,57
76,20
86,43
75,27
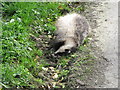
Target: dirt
105,36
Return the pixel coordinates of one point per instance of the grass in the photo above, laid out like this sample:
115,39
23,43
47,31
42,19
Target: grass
23,64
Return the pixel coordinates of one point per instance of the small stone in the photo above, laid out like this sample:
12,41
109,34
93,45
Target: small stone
45,69
105,19
55,75
80,82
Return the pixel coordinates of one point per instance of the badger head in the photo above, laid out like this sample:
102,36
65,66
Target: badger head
65,49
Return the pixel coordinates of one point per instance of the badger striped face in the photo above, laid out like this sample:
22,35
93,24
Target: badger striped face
65,49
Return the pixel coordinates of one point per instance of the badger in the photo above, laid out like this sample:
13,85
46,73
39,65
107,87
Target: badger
71,32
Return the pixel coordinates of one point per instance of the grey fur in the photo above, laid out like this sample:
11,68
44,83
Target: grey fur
71,31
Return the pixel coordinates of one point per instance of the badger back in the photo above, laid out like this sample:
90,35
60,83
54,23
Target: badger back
71,26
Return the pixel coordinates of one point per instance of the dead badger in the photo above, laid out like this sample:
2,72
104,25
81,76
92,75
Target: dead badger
70,33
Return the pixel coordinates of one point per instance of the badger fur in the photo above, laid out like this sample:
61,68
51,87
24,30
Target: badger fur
71,31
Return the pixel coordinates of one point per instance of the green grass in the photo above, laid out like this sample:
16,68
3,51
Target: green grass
19,64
